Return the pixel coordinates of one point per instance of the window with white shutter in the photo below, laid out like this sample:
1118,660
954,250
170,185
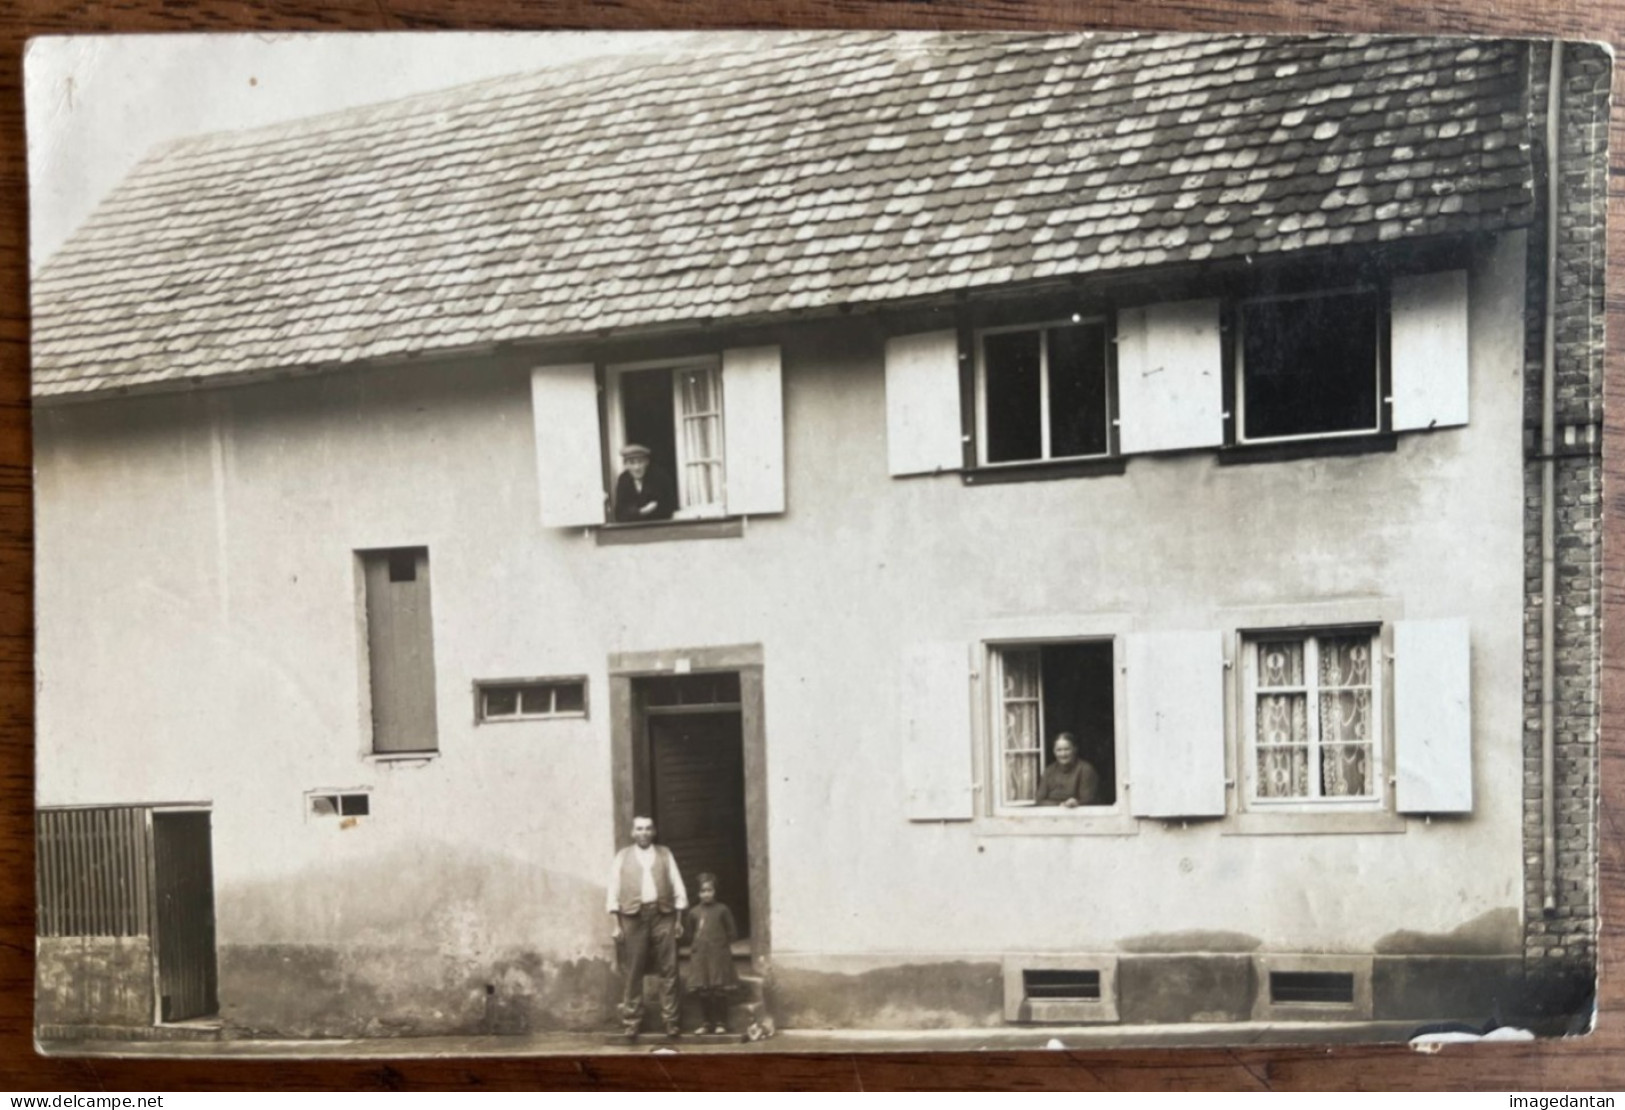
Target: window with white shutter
696,438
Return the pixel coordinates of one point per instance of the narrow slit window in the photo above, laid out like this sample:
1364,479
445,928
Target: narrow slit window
531,699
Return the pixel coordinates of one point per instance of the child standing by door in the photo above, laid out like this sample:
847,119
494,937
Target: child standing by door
711,967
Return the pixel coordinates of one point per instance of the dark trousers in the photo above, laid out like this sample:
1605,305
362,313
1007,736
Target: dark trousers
649,936
714,1005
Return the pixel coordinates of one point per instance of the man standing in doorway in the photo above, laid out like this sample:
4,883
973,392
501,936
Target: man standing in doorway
646,905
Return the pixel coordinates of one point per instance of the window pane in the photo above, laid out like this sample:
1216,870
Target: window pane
1021,776
537,700
1345,661
1012,396
1283,772
1020,674
660,691
1077,390
1310,365
727,687
1345,770
1280,663
570,697
501,701
1282,741
354,805
702,438
324,805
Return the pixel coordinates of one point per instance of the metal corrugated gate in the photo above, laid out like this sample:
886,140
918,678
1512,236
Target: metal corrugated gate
93,872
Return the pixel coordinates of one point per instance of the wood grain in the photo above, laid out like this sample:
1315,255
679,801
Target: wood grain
1594,1063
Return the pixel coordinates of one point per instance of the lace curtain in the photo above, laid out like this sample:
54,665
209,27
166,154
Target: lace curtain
1287,748
1023,746
702,438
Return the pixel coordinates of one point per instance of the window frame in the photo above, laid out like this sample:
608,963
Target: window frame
992,753
1380,799
615,437
1382,419
483,685
1107,322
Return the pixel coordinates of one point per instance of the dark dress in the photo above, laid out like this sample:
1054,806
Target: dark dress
656,487
711,958
1079,782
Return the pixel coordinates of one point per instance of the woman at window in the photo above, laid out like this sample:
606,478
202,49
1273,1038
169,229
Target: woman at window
1068,781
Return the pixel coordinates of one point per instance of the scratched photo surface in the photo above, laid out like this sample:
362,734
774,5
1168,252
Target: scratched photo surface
564,543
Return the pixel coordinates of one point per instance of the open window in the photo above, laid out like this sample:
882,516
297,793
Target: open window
675,412
1043,393
711,426
1313,708
1044,695
1310,365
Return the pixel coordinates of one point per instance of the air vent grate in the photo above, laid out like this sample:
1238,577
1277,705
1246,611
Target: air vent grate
1331,987
1061,983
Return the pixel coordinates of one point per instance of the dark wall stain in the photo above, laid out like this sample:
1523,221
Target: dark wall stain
93,981
1192,940
1155,989
1472,989
316,991
1495,933
911,996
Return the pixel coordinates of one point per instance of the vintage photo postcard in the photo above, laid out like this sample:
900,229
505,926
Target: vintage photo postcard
815,541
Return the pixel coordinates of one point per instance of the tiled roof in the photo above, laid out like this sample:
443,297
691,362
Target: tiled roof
814,171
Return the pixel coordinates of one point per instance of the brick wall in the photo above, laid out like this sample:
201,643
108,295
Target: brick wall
1560,945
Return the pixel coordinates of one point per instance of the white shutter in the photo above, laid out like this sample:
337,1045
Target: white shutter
1170,377
1176,724
753,430
1428,345
569,448
936,770
1433,725
923,433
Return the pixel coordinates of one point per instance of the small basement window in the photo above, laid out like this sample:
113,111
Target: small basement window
530,699
1335,988
338,805
1060,988
1310,365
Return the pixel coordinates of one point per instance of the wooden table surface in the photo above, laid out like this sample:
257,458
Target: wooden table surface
1595,1063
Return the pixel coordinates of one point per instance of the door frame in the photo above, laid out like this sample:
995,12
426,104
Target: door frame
628,724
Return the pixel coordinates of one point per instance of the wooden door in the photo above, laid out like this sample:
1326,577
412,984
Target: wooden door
696,763
184,873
